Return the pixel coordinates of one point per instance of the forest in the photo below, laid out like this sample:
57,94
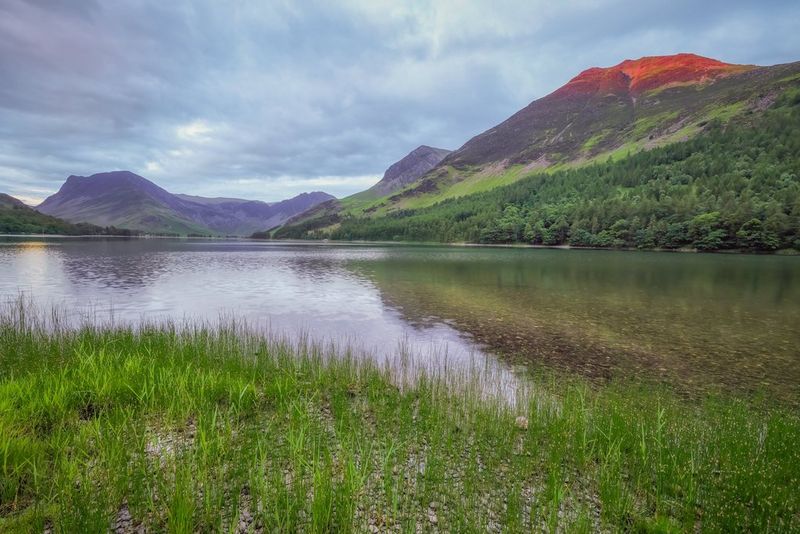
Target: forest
734,187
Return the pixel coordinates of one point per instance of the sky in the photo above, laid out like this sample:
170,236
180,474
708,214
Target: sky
267,99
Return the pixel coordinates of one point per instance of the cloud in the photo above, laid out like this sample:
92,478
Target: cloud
263,99
195,131
153,167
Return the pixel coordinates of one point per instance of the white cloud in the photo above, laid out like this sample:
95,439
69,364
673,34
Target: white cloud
197,130
154,167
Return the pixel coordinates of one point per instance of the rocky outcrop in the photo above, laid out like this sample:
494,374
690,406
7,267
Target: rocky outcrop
409,169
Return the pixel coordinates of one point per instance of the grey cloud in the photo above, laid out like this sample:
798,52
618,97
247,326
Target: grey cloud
267,99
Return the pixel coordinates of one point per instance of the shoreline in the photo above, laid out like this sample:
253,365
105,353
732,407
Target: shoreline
214,429
104,236
732,252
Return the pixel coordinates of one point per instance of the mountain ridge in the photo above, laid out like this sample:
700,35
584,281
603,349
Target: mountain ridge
735,187
409,168
651,72
214,200
610,106
125,199
600,114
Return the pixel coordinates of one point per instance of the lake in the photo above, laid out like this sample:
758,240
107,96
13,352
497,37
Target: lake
695,321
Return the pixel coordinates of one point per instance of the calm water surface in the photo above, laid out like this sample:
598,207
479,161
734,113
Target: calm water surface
695,321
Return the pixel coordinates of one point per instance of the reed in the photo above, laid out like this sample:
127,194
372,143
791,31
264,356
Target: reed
187,427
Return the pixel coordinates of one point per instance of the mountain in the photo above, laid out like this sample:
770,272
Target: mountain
122,199
602,108
243,217
600,115
409,169
735,186
126,200
18,218
398,175
211,201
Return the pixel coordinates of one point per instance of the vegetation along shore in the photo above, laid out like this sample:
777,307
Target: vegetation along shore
181,427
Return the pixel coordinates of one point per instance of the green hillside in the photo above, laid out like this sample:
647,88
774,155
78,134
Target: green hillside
735,186
601,115
17,218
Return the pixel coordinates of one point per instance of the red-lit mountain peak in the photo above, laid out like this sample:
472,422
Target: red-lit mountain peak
639,75
652,72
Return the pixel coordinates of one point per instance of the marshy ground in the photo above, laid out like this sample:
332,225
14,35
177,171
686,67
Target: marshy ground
187,428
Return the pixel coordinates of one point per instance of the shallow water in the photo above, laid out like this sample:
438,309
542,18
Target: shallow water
696,321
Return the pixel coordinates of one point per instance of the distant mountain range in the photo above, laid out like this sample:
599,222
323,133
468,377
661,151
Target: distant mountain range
126,200
601,114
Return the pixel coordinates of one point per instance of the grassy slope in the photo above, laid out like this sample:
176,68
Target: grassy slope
22,220
166,222
635,140
15,218
202,430
662,117
750,159
27,220
144,214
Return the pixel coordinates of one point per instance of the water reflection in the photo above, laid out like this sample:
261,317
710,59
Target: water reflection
113,265
288,289
693,320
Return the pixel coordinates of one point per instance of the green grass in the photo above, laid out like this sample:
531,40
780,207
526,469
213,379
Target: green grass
185,428
470,182
456,184
644,125
726,112
594,140
638,137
